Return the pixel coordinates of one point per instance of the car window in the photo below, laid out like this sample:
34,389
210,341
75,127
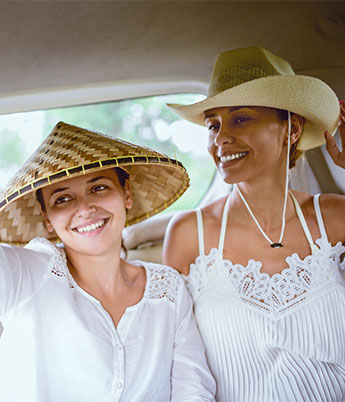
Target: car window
146,121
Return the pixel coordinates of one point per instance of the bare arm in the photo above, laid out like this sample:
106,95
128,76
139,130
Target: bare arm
181,242
333,212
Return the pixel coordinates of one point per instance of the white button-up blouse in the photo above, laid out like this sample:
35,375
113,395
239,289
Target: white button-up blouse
60,344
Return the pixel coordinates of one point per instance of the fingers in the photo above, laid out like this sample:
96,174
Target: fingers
342,112
342,124
336,154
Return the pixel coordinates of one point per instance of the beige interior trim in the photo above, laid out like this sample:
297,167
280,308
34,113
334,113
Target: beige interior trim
104,92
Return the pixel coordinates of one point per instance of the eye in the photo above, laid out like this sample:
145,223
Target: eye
62,200
213,127
99,188
240,119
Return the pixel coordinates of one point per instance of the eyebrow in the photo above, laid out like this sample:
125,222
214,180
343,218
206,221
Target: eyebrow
230,110
57,190
92,180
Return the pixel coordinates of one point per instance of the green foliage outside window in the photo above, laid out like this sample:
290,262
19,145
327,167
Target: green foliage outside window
146,121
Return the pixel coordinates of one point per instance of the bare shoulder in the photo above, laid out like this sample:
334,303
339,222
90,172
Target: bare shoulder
180,225
333,212
181,241
181,245
333,204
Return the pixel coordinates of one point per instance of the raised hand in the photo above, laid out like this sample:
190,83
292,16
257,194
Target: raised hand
337,155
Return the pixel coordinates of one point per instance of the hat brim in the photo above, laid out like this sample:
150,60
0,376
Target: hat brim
307,96
159,182
70,151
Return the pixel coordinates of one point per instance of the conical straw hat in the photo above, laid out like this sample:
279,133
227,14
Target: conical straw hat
156,180
253,76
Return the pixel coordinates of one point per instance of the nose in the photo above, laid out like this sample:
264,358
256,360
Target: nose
84,207
223,137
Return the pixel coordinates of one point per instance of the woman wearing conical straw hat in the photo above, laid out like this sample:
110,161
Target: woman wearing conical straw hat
264,265
80,323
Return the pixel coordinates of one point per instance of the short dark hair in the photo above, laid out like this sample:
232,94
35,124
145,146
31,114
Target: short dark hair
122,175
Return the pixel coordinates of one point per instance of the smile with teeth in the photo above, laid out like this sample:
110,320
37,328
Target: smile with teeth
233,156
92,227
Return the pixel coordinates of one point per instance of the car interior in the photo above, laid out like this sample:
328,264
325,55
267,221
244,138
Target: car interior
65,60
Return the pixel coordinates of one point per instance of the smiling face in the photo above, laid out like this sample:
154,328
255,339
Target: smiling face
88,212
246,141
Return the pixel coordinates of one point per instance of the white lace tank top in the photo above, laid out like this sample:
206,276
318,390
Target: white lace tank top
273,338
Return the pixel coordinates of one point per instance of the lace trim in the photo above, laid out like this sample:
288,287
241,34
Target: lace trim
280,294
58,266
163,282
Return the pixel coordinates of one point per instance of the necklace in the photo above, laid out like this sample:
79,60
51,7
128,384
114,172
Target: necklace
279,243
273,244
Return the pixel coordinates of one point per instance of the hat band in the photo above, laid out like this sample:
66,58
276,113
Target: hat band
237,75
83,169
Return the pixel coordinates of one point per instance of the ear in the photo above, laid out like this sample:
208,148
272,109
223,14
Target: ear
128,195
48,224
297,123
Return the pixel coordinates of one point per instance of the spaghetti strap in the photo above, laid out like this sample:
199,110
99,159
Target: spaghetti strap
224,222
303,222
200,231
319,217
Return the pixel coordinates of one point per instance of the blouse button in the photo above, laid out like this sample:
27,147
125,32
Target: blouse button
119,385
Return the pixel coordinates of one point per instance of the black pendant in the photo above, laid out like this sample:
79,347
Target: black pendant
276,245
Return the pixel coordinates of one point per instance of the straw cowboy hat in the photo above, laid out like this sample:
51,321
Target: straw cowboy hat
156,180
253,76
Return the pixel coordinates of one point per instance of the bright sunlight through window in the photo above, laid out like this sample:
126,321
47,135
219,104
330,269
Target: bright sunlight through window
146,121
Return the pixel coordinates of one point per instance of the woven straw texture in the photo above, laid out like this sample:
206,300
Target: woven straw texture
255,77
156,180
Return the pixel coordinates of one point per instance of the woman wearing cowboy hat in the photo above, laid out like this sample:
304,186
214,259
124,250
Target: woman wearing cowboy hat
80,323
265,265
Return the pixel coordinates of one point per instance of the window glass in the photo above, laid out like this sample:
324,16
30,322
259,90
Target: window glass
146,121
